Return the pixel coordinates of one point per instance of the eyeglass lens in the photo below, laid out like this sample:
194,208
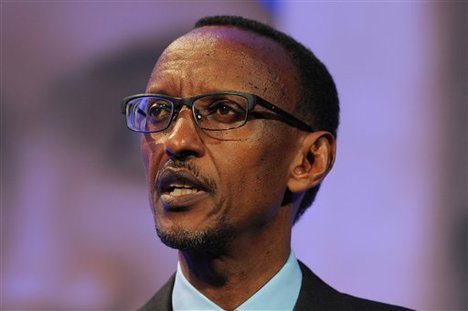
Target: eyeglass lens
211,112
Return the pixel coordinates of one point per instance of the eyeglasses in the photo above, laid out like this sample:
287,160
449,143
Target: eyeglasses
151,113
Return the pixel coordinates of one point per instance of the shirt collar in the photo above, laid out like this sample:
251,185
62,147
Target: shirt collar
280,293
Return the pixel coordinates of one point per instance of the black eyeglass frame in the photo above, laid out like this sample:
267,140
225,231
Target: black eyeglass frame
252,101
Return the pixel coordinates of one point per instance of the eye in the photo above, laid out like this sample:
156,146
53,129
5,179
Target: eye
222,107
226,111
159,111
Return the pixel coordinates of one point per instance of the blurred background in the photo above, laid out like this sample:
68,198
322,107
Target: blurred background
389,224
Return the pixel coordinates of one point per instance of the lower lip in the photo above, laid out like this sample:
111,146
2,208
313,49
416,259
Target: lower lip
182,201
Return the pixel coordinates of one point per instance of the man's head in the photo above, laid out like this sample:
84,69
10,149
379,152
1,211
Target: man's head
208,187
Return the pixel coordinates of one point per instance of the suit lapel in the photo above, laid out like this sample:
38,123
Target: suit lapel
162,300
315,294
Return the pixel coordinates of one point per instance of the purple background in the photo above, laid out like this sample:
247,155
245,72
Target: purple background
390,222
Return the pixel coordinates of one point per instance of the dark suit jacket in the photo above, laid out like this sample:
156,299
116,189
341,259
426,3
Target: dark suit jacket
315,294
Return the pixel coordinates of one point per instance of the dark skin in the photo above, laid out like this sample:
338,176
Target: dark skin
249,168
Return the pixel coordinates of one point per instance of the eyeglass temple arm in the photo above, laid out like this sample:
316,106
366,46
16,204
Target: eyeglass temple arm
290,119
141,112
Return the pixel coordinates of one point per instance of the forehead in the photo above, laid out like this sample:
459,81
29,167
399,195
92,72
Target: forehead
216,58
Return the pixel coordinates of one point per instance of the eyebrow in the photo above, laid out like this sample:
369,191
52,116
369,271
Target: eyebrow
205,91
157,91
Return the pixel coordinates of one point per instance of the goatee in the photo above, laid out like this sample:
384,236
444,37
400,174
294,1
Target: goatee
212,240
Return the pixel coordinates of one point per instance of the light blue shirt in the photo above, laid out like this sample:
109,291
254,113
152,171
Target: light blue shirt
280,293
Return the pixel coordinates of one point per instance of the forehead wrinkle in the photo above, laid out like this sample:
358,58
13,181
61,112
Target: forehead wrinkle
178,66
178,83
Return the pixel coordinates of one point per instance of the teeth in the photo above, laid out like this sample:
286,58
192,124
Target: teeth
181,186
183,191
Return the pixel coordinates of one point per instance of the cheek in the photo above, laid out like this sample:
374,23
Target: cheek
150,153
145,153
257,172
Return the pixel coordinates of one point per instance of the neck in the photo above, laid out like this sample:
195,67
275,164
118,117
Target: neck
230,278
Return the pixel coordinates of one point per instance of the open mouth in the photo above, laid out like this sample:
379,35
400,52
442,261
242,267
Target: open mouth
180,183
178,189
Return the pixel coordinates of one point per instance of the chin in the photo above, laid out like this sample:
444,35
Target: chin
211,239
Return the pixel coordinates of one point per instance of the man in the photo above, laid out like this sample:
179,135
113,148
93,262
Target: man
239,124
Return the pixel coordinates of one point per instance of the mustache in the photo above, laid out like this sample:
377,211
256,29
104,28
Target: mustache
186,167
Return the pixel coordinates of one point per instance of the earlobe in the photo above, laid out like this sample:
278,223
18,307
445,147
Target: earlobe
313,162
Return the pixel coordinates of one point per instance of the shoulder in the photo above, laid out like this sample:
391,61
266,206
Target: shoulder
318,295
162,300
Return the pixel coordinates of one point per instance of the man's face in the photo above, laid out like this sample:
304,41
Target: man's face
215,186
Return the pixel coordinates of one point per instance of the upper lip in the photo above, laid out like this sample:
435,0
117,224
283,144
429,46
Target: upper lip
170,177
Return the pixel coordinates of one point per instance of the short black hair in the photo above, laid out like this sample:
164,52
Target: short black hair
318,101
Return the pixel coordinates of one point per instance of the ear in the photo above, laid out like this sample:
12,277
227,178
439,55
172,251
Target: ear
313,161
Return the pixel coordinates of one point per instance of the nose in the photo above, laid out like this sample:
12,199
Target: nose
184,139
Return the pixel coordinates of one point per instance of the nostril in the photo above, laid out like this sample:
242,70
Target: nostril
181,155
